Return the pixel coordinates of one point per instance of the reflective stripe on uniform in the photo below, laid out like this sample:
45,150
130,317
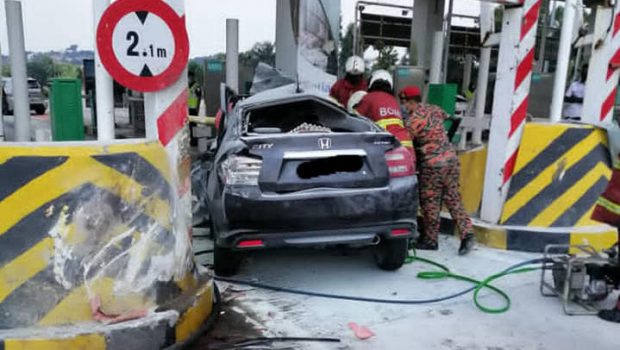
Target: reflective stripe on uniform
407,143
384,123
609,205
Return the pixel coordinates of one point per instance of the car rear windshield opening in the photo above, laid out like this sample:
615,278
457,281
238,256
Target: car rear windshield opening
303,116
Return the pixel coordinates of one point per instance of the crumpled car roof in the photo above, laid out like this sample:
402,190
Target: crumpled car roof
287,92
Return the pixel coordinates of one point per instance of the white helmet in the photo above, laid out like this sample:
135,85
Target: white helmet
355,65
355,99
381,74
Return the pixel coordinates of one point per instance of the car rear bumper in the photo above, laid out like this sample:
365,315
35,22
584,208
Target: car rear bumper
243,240
38,102
246,211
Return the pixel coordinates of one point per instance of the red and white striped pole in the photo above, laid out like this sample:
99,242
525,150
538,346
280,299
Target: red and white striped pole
166,117
512,88
603,74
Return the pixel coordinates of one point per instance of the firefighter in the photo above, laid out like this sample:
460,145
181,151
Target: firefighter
607,210
438,168
381,106
353,81
355,100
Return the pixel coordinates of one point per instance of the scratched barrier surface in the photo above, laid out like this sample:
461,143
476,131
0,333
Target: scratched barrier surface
87,239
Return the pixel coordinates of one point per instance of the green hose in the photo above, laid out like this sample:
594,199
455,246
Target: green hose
480,285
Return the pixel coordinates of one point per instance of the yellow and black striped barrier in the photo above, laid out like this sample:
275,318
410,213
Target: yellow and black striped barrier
86,234
561,170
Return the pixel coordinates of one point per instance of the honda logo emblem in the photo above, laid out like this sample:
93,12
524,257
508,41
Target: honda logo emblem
325,143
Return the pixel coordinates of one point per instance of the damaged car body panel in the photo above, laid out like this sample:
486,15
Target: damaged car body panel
296,169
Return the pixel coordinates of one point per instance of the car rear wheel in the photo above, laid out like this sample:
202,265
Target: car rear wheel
225,261
390,254
39,110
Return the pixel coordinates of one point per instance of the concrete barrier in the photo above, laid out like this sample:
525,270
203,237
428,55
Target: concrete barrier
472,178
89,253
560,171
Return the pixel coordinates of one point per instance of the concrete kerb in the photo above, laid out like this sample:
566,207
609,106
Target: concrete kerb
534,239
155,331
150,332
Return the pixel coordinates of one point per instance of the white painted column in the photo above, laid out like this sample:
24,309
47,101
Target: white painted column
487,27
602,82
17,53
512,87
167,109
561,72
286,46
1,97
104,85
428,18
436,58
468,66
232,54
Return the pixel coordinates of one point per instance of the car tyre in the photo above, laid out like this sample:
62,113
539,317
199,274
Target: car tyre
390,254
225,261
39,110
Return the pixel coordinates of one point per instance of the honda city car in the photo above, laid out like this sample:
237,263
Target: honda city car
295,169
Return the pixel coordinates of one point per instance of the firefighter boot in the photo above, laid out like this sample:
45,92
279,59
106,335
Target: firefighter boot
467,244
425,243
612,315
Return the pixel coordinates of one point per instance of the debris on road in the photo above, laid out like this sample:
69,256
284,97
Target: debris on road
361,332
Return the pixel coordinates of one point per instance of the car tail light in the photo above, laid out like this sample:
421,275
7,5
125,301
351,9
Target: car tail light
400,162
239,170
251,244
400,232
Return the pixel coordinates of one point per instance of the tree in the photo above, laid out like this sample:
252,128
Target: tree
261,52
346,47
41,68
405,60
387,58
66,70
220,56
198,71
6,71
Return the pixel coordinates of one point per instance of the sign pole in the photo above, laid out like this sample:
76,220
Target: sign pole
1,99
104,85
144,46
166,115
512,88
232,54
17,53
603,73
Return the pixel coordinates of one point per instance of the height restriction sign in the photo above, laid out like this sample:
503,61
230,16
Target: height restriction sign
143,44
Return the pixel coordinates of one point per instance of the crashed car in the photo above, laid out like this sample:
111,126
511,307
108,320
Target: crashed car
295,169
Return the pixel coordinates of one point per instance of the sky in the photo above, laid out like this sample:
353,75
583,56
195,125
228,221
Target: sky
56,24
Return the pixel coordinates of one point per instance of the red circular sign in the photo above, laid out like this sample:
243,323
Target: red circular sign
143,44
